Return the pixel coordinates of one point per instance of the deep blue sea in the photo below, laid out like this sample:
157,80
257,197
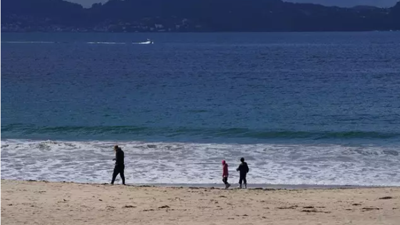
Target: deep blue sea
302,108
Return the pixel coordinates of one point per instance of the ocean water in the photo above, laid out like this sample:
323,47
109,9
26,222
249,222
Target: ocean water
302,108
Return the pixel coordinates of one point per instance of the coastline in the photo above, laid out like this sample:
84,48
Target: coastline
234,185
42,202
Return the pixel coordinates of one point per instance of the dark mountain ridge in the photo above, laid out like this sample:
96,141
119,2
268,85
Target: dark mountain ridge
193,15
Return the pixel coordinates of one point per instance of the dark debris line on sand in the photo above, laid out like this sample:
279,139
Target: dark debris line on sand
370,208
386,197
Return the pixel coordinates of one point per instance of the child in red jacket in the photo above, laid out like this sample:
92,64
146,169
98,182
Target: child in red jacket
225,174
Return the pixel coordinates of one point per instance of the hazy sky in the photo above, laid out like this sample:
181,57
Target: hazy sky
381,3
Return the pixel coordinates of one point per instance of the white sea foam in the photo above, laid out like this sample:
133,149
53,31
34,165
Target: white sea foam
91,161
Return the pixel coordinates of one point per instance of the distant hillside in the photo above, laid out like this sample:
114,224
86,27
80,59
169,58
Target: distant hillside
193,15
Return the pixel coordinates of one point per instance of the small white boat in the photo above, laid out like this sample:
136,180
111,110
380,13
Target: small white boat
148,42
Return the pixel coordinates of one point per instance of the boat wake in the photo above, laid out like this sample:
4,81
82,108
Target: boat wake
107,43
147,42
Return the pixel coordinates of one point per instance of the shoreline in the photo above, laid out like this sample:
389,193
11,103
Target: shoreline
221,185
42,202
331,165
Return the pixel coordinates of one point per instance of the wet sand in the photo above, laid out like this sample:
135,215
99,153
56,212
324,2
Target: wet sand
38,202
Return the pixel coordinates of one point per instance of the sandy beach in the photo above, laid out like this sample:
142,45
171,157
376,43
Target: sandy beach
38,202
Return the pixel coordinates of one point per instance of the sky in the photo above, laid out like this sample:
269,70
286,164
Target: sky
345,3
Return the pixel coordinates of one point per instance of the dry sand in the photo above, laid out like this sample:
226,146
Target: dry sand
24,202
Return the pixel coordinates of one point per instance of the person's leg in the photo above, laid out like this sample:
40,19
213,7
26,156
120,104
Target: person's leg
115,173
227,183
225,180
240,181
121,173
245,181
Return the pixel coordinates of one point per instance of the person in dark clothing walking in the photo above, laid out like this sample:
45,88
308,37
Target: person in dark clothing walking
243,170
119,164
